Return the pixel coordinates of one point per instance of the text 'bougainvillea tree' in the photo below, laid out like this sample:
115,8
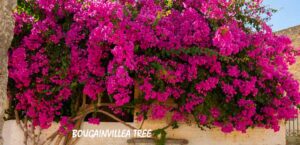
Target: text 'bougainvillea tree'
214,62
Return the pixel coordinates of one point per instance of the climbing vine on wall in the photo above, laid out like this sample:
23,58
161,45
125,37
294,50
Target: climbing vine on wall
213,62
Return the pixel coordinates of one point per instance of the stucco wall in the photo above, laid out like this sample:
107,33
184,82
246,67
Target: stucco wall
6,35
14,136
294,34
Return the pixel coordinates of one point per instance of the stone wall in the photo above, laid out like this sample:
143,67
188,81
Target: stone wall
294,34
6,35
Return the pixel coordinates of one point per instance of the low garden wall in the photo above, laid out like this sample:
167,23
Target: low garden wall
13,135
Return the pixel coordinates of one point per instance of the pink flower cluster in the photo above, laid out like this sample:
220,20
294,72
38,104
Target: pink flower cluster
230,39
66,125
194,57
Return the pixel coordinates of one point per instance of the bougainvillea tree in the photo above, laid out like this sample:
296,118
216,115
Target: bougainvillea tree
214,62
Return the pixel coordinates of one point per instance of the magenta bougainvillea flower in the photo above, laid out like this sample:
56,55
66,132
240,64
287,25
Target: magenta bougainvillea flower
94,121
215,62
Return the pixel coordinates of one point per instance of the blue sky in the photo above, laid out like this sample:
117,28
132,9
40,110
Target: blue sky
288,13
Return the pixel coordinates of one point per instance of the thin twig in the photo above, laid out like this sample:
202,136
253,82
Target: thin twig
83,101
116,118
142,124
77,126
26,131
51,137
39,135
18,120
60,137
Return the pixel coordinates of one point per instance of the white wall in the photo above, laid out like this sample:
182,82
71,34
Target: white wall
13,135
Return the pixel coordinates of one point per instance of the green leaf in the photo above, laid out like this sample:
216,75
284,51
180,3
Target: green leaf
161,135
